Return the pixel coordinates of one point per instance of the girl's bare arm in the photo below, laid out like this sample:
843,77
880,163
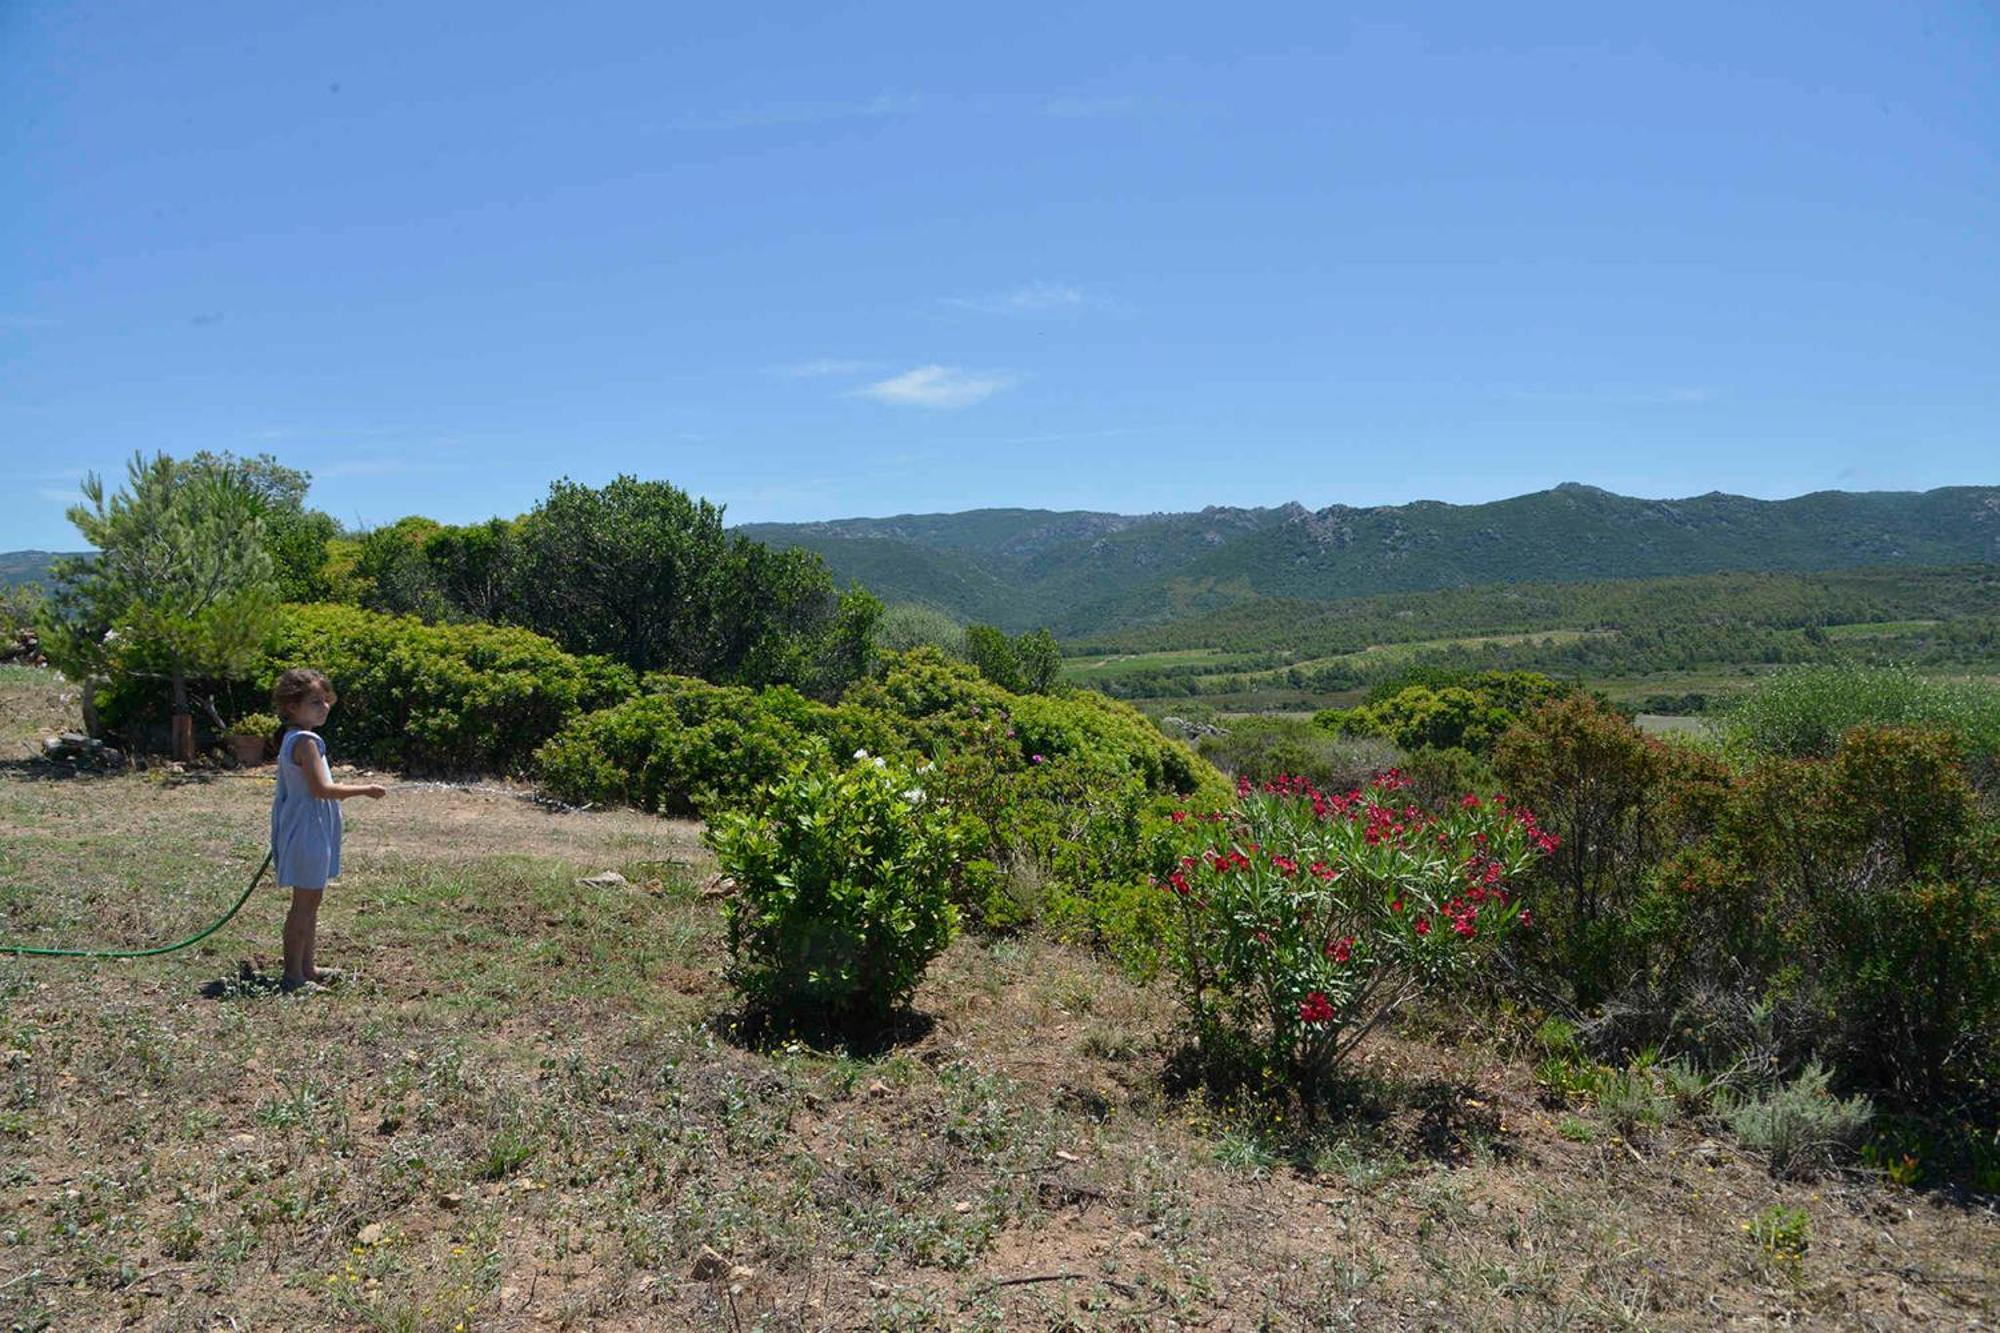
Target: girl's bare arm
319,778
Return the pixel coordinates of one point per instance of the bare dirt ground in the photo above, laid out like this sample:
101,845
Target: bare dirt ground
528,1108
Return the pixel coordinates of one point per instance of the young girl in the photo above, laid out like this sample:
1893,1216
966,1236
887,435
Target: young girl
305,815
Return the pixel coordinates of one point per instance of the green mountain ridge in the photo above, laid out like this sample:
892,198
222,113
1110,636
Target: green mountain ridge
23,567
1088,573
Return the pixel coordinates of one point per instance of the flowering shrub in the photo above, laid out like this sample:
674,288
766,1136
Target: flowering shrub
844,878
1302,918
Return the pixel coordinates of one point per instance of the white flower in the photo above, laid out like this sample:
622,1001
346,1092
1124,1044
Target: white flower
879,762
915,796
861,754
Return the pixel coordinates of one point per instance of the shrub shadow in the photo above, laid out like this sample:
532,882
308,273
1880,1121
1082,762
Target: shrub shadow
860,1038
1438,1120
54,770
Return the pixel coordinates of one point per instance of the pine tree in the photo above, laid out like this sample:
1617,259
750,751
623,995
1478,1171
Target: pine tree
181,586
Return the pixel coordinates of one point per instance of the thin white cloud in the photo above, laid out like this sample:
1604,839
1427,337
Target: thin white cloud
1031,298
936,386
823,367
800,113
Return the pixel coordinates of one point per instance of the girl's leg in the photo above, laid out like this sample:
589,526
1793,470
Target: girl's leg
301,923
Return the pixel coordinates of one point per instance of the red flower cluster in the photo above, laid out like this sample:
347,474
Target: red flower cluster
1316,1008
1340,950
1543,839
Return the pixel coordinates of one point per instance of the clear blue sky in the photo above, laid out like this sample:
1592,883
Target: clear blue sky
817,260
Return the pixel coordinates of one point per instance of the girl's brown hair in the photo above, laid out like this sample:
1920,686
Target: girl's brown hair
295,687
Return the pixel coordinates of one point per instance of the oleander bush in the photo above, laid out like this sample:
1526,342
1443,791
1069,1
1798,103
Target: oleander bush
1301,919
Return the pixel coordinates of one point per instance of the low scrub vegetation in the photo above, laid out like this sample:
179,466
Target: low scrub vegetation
422,698
843,880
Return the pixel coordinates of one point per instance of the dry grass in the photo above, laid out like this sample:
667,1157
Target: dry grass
527,1111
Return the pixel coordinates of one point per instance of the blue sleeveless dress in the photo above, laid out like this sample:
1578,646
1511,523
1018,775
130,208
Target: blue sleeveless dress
305,831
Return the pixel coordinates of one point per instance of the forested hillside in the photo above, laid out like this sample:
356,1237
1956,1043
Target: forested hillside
1086,573
19,567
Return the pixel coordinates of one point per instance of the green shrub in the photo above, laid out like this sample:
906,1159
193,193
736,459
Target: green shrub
422,698
844,877
907,625
1609,791
1436,776
1801,1126
1467,711
1854,891
1783,1232
1262,748
1929,1150
1632,1100
687,747
1064,798
20,606
1804,712
255,724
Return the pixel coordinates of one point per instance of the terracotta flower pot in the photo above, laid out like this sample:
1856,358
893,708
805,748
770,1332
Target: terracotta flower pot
247,749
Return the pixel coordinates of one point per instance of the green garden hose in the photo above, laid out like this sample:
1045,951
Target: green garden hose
35,952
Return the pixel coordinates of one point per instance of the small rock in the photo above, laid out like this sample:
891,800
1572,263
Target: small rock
604,879
370,1234
878,1089
740,1273
961,1207
1062,1156
451,1200
708,1265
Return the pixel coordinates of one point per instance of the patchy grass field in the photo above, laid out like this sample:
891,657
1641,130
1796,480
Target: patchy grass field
529,1108
1097,669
